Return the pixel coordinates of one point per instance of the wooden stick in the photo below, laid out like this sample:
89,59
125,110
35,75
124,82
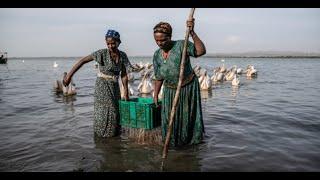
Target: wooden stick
176,97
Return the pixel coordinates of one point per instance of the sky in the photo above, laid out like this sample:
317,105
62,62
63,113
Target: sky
28,32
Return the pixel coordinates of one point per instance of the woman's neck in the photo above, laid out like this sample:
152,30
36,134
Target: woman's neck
114,51
168,48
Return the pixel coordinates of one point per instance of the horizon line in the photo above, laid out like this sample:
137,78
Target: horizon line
246,53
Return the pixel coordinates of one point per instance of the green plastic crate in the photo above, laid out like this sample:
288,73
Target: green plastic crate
140,113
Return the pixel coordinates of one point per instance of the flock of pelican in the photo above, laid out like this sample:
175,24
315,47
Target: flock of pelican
145,73
221,74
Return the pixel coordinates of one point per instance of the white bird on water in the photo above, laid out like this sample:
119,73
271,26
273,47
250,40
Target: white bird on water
223,69
146,87
55,64
235,81
205,81
251,71
71,90
130,90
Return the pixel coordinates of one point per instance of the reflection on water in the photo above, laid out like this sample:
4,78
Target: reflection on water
235,90
111,149
206,94
234,94
182,159
68,101
59,97
122,155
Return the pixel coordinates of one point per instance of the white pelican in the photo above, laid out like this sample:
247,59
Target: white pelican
239,71
55,64
216,69
146,87
223,69
230,74
130,76
148,66
57,85
131,92
65,90
217,77
251,71
197,70
141,64
71,89
137,67
235,81
205,81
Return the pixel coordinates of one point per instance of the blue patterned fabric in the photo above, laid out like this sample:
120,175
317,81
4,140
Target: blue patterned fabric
113,34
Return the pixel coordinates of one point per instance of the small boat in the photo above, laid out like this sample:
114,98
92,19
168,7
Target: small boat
3,58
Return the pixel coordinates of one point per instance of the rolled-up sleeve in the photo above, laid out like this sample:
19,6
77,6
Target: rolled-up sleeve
191,50
97,56
126,65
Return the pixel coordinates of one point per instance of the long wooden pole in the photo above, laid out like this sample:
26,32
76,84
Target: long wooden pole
176,97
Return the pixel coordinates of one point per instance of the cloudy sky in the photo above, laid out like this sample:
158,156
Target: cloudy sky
78,32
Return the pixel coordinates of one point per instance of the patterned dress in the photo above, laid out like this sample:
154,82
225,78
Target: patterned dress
188,125
107,94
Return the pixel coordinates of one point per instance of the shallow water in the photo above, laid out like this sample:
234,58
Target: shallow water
269,123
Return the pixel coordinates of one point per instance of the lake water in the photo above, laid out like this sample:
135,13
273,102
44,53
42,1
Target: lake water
269,123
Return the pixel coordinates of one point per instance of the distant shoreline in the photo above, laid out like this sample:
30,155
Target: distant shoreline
262,56
209,56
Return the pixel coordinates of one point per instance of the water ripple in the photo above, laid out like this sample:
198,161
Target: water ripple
269,123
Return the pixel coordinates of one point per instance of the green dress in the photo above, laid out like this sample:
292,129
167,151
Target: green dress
107,94
188,125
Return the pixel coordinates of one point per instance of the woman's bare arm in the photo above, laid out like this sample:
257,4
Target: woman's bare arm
124,79
157,87
200,48
75,68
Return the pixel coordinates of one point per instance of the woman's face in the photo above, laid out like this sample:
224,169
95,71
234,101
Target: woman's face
112,44
162,40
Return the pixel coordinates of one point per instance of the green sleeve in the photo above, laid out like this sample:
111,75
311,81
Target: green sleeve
191,49
156,67
126,65
97,56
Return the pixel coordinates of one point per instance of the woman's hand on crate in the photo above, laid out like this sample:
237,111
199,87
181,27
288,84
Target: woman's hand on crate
155,100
